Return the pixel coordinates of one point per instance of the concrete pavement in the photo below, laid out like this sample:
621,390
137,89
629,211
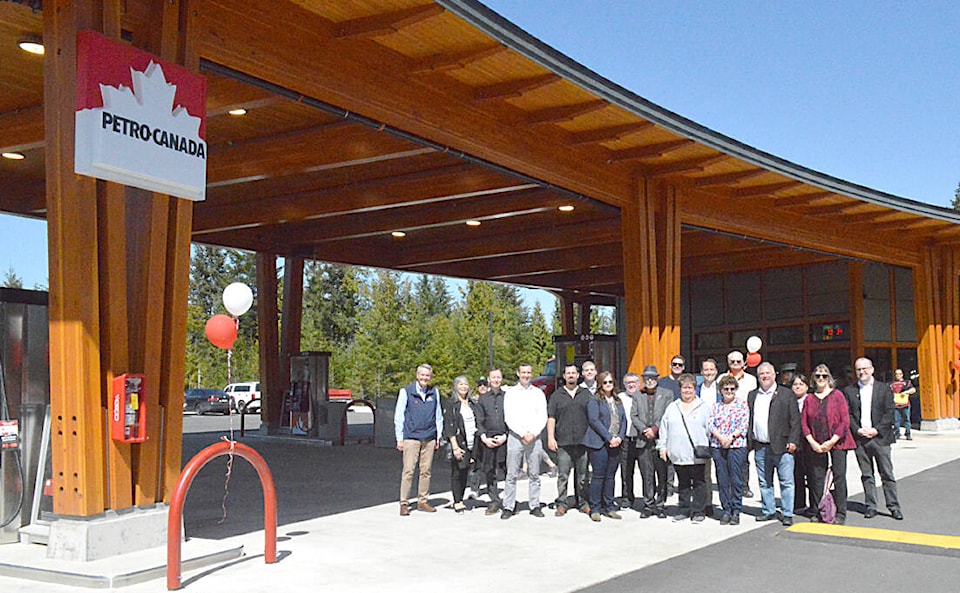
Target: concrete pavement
340,531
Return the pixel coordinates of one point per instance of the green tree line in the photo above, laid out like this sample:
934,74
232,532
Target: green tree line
378,325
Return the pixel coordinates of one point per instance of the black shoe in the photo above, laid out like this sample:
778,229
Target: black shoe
787,521
897,515
506,514
661,514
735,520
492,509
761,518
747,493
725,519
537,512
870,514
708,511
645,513
839,520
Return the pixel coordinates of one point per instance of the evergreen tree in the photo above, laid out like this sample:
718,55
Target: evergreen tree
11,280
956,198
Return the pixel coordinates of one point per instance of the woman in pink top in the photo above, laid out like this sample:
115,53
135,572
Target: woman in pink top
826,426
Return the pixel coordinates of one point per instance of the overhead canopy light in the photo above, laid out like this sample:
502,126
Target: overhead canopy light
31,44
398,234
567,208
14,156
238,111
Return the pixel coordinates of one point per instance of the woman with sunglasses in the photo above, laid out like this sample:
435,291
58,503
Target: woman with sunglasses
826,426
607,426
728,424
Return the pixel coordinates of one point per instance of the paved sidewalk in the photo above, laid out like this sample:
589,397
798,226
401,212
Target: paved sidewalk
340,530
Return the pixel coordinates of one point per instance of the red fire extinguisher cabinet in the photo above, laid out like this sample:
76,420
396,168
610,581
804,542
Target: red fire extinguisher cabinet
128,416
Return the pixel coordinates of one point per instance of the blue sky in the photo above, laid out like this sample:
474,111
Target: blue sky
864,91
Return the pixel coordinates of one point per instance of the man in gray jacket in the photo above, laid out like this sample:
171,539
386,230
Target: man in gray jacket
649,404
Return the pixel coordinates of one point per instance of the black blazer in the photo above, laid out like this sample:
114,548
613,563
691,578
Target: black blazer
881,411
783,424
453,427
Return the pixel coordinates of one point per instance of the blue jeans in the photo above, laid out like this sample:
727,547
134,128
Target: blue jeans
729,464
902,416
605,463
767,461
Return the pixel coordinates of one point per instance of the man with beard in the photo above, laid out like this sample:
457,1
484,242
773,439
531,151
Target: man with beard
566,425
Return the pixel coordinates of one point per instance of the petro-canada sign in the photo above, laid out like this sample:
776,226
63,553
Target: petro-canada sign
140,121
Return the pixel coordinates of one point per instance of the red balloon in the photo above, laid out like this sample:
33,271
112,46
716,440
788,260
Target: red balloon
956,365
753,359
957,345
221,331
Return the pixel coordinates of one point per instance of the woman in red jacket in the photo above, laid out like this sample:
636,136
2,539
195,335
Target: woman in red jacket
826,426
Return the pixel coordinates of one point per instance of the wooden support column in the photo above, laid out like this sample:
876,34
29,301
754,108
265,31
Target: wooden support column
291,324
566,316
271,379
119,270
937,306
651,260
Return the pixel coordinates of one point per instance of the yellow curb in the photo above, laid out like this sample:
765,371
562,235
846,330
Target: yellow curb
951,542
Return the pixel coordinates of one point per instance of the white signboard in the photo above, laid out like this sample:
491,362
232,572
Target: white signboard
139,120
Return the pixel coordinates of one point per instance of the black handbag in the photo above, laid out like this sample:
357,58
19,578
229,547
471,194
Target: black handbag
699,451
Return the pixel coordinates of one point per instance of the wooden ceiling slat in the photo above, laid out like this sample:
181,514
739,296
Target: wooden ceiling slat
514,239
21,129
445,63
513,88
419,187
768,189
648,151
609,133
386,24
729,178
606,275
320,146
422,216
800,199
555,115
568,258
862,217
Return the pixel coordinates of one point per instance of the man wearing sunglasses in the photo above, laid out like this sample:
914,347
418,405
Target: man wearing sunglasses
871,422
678,365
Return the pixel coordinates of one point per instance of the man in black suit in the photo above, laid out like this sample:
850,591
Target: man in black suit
774,435
871,422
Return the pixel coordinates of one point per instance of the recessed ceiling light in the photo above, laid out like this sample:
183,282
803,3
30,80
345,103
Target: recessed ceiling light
565,208
238,111
31,45
14,156
398,234
473,223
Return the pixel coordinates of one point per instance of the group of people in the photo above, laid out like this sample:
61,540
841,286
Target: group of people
670,428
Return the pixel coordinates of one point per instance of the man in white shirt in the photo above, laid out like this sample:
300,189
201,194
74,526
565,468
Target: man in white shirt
707,391
525,412
628,460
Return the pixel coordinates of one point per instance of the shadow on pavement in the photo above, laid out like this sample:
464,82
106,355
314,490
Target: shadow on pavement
311,481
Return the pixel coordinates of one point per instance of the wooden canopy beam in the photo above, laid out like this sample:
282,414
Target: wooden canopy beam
513,88
564,113
386,24
648,151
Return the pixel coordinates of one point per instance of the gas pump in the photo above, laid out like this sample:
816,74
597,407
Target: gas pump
600,348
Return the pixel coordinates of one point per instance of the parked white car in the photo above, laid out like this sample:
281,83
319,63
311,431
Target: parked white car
244,397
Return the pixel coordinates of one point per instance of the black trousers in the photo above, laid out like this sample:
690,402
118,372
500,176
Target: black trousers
653,474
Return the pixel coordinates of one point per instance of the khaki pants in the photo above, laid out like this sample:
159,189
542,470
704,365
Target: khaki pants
414,452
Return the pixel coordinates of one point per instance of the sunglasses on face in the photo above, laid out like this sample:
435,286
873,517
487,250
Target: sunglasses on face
676,364
735,361
821,376
608,382
729,389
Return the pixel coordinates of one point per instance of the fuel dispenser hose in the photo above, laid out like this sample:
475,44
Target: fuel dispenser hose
5,415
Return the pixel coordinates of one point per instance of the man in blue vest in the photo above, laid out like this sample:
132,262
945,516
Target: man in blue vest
418,422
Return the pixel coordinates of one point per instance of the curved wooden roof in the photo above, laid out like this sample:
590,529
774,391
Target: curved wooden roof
370,116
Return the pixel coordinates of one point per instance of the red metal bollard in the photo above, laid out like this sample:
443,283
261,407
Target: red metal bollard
174,518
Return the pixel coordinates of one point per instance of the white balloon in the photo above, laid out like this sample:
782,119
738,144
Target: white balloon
754,343
237,298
